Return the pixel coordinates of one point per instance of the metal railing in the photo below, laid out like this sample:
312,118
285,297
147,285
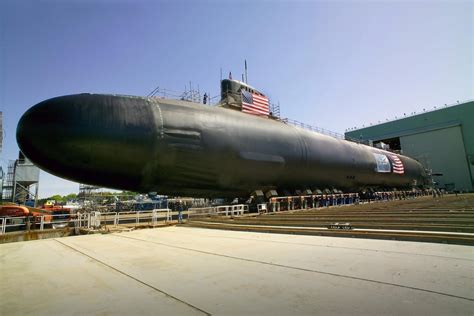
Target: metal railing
96,220
19,223
320,130
232,210
83,220
313,128
195,96
139,217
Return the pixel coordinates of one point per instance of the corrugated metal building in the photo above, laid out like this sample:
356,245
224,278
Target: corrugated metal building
442,140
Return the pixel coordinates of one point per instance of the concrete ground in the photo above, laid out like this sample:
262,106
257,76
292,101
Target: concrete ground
181,271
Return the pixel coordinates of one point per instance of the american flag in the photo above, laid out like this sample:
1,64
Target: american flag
254,104
397,165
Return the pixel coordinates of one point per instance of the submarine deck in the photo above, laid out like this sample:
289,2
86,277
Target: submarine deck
184,270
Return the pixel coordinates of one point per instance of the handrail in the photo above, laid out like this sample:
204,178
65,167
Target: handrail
313,128
237,209
187,95
80,220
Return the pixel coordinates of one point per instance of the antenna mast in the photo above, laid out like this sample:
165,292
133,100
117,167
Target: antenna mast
246,78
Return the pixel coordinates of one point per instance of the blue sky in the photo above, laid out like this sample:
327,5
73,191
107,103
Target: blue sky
335,64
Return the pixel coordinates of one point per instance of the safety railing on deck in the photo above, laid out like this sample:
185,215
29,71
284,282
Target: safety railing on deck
320,130
313,128
191,95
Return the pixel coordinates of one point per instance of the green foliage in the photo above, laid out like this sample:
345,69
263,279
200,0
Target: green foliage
58,198
130,193
70,196
63,199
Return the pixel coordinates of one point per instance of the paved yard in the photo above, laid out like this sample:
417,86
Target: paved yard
180,271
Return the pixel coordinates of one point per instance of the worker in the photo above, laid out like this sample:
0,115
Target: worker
180,212
28,222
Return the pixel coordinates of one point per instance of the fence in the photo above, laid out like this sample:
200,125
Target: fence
83,220
287,203
99,219
226,210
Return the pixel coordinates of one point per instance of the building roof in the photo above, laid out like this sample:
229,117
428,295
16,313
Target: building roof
459,114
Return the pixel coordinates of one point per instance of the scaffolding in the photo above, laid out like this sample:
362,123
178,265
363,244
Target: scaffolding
21,182
190,94
1,131
1,146
275,110
86,191
1,183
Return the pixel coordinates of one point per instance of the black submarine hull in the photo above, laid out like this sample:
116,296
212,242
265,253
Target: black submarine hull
181,148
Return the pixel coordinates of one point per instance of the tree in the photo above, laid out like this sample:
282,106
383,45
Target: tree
70,196
57,198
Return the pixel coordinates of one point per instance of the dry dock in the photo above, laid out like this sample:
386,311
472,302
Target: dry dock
182,270
447,219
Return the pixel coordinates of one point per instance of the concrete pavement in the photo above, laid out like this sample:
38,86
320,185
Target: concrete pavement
180,270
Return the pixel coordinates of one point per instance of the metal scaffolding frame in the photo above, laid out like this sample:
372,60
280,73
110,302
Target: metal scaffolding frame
21,182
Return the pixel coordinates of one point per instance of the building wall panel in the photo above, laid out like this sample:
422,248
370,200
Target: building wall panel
441,150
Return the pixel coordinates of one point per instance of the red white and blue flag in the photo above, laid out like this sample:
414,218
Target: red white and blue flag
397,165
254,104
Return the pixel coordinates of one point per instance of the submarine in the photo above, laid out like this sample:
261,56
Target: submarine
180,148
